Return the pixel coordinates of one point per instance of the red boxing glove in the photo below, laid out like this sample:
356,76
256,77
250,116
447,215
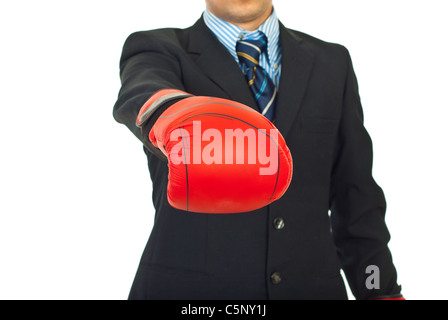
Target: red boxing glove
223,156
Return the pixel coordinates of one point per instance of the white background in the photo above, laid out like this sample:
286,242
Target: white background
75,198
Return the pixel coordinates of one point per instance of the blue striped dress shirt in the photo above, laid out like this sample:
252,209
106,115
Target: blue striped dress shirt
228,34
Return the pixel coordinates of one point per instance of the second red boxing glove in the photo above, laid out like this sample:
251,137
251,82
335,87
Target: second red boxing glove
223,156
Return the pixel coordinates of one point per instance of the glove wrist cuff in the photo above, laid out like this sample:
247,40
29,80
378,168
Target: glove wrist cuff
156,101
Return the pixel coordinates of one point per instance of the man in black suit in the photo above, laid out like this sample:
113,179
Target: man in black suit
292,248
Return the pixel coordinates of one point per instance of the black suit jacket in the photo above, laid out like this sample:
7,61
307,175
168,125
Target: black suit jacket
245,256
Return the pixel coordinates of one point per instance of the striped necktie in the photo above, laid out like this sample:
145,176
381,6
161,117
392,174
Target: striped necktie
262,87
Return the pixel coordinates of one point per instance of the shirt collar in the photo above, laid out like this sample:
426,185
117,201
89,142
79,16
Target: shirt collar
228,34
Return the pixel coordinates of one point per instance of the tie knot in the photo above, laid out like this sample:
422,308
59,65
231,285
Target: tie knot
249,51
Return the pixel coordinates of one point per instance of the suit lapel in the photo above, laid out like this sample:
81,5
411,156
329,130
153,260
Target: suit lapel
218,64
297,64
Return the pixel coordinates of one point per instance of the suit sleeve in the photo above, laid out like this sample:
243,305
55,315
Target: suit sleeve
358,204
148,64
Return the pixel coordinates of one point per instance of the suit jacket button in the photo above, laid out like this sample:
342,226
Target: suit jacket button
279,223
276,278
